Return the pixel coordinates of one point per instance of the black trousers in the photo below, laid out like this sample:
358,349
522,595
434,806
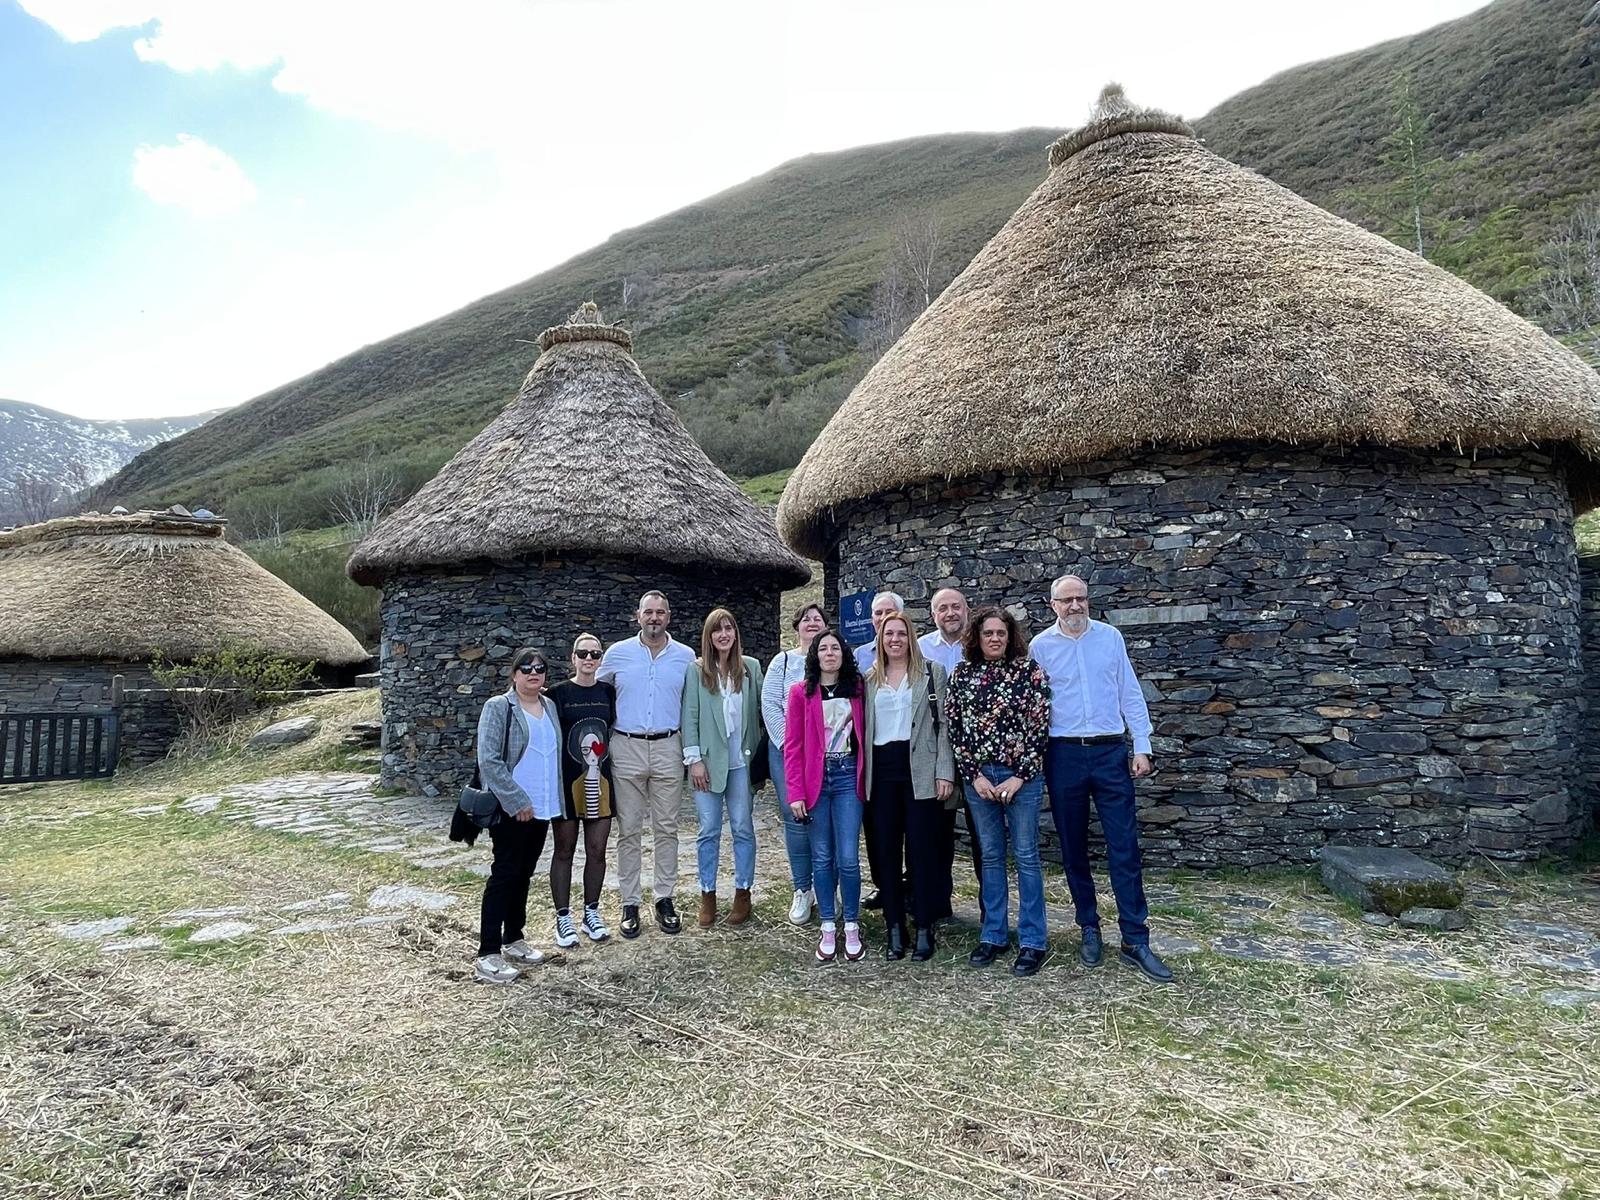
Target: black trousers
517,846
913,838
977,856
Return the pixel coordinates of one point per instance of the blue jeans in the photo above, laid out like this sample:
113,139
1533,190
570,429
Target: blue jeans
796,841
1021,818
835,831
741,818
1075,776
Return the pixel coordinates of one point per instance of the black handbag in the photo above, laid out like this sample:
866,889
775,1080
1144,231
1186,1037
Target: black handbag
478,803
761,763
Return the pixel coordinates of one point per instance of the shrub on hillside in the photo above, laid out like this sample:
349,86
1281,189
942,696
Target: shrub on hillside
317,573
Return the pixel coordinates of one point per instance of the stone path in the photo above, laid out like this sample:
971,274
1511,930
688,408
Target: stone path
1305,931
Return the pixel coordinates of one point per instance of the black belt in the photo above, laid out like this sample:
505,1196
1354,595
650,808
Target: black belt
1099,739
648,737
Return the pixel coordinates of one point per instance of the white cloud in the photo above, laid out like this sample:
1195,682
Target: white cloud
192,175
580,117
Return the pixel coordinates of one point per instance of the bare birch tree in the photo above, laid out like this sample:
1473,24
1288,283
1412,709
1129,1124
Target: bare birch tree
369,489
1567,299
918,248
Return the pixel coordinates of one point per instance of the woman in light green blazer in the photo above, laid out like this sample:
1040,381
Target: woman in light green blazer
721,730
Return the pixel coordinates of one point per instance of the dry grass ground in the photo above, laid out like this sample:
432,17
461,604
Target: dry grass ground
362,1062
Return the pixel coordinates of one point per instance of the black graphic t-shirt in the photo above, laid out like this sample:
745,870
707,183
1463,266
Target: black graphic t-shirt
587,716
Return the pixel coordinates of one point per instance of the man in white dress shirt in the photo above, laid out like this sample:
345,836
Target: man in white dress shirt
943,643
884,606
1095,702
647,757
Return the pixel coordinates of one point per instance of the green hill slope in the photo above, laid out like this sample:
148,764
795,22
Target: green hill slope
760,291
762,283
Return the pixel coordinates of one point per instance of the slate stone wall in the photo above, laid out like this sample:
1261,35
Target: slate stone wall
1380,647
448,637
64,685
151,723
1589,738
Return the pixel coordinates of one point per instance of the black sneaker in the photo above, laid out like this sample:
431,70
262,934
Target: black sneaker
985,953
1029,960
667,916
630,921
1092,950
1145,959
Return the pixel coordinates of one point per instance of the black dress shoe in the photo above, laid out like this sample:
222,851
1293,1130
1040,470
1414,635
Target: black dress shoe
630,920
667,916
895,949
1145,959
924,948
873,899
985,953
1028,961
1092,951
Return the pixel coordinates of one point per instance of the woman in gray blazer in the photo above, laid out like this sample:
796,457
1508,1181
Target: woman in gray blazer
910,785
721,730
519,760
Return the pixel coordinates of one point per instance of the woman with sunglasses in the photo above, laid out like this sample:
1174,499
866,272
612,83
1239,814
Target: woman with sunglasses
519,753
588,711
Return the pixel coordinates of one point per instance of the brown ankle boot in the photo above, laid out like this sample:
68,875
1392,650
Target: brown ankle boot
708,909
740,912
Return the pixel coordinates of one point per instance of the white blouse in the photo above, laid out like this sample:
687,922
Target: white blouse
538,771
891,713
733,718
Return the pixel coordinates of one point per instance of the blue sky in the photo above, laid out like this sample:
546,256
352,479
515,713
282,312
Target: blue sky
204,199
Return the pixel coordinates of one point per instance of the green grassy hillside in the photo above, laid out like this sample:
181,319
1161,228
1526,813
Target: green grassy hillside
751,301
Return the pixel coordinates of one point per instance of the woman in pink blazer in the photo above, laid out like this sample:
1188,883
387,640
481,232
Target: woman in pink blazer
823,765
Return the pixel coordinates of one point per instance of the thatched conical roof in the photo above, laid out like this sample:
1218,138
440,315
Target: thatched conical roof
123,587
588,459
1150,293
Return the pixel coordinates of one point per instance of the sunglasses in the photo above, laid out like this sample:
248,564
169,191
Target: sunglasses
529,668
586,654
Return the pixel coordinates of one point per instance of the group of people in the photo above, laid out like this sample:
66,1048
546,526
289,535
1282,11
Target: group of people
892,737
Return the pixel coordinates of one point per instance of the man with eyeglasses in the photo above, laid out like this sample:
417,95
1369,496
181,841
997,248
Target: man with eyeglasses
647,757
1095,702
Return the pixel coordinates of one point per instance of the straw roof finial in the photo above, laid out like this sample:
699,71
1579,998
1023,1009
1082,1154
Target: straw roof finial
1114,114
585,325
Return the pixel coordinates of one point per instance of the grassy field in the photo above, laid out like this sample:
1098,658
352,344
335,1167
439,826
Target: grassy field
361,1062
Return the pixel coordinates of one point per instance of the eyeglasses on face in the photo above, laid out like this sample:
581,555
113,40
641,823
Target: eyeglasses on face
532,668
586,654
1069,599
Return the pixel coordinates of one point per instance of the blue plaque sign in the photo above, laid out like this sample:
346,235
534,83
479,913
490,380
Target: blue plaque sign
855,618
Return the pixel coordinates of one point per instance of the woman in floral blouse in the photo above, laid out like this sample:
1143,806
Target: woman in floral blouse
999,714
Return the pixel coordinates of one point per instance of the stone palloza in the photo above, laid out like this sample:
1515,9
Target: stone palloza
1326,488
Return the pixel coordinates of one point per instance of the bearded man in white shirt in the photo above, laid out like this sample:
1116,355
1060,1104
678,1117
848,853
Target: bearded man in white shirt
1095,702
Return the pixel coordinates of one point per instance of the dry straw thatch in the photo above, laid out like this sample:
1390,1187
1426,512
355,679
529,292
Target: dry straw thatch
587,460
1150,293
124,587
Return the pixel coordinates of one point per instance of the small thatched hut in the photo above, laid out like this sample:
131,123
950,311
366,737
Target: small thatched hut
582,494
1326,488
88,597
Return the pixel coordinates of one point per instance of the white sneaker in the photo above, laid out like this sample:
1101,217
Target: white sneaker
566,931
492,968
800,910
522,954
594,926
